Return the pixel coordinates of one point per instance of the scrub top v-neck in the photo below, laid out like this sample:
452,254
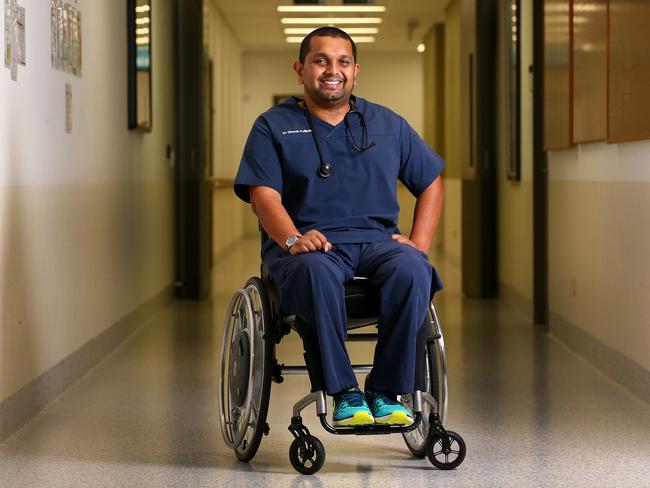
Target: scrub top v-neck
358,201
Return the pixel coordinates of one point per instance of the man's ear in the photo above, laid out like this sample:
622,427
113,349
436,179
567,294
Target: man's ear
297,67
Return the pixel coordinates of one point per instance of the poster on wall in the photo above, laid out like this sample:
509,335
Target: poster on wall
65,38
14,37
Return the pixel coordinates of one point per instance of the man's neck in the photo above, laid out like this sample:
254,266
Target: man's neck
332,115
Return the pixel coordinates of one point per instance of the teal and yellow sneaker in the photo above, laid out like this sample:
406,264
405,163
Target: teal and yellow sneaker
387,410
350,408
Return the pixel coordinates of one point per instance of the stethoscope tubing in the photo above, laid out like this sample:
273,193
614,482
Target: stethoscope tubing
325,168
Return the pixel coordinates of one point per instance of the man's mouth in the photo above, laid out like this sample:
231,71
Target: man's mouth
332,83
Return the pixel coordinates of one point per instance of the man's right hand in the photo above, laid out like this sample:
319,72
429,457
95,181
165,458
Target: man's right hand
310,241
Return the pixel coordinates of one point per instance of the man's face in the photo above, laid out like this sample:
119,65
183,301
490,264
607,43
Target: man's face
329,71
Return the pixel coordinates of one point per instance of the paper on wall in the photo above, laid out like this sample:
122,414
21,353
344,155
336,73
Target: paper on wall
8,17
68,108
19,35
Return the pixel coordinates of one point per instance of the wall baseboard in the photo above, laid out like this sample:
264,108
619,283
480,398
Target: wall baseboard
33,398
516,299
612,363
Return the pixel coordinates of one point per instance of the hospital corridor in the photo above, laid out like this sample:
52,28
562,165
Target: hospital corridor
132,343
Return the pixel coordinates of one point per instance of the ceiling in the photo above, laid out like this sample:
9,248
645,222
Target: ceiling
256,23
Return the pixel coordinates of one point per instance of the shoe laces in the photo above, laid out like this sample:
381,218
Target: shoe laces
380,400
353,397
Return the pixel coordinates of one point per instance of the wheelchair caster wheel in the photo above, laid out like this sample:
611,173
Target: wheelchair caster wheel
446,453
307,457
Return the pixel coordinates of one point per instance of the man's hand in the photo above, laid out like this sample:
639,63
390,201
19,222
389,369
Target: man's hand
309,242
405,240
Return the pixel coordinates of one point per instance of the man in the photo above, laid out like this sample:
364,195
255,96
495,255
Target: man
321,176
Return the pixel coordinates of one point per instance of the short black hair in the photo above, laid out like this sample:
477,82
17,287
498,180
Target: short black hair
305,45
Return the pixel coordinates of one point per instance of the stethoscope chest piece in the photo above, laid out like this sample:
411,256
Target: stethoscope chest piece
325,170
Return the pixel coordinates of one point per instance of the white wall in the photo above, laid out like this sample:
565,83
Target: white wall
599,237
86,218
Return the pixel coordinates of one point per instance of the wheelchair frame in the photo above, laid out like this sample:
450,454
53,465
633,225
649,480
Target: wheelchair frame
254,325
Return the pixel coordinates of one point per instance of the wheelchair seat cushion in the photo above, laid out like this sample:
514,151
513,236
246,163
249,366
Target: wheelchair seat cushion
361,299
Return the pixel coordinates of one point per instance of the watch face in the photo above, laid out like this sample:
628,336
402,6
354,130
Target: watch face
291,241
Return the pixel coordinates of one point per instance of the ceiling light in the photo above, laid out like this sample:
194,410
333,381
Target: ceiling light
356,39
330,20
327,8
348,30
142,8
421,48
359,39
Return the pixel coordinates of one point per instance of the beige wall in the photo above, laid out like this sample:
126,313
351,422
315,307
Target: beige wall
86,218
451,218
599,236
228,139
515,198
399,88
434,102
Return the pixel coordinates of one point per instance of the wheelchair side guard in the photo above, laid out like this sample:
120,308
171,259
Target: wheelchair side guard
234,414
245,375
437,341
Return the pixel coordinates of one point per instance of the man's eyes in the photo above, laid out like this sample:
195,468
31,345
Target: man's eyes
344,62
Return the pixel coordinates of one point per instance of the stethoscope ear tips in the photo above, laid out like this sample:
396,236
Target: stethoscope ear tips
325,170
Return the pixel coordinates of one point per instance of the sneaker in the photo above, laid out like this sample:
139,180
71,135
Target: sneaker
350,408
387,410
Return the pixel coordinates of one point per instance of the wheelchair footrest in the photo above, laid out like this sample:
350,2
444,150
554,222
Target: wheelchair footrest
372,429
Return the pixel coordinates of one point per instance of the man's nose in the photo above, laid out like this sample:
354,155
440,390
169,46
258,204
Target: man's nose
334,68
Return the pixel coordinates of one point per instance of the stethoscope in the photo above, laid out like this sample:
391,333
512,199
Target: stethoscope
325,169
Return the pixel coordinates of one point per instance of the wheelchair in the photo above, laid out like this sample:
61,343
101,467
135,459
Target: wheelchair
254,325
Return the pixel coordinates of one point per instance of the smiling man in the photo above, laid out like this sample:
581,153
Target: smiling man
321,174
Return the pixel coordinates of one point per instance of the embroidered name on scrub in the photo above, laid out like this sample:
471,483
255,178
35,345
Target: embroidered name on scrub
299,131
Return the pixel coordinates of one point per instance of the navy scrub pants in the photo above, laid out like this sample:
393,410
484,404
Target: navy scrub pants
311,287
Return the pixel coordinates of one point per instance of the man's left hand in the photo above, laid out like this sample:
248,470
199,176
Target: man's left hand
404,240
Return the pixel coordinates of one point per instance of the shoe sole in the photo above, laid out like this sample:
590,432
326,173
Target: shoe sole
359,418
395,418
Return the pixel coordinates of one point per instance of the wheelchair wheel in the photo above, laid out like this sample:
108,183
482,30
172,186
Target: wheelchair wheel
449,454
419,439
245,375
307,457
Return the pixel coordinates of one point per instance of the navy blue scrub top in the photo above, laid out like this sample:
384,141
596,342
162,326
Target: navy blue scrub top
358,202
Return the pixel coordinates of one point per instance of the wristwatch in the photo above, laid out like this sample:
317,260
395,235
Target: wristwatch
291,241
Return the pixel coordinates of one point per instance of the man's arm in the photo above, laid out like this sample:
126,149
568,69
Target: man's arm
428,208
267,205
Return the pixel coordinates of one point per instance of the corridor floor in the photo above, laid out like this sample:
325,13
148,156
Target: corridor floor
531,412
